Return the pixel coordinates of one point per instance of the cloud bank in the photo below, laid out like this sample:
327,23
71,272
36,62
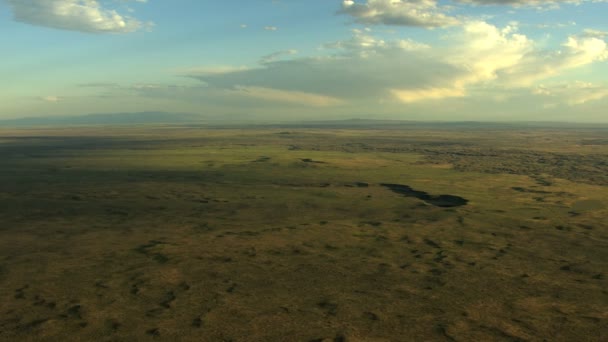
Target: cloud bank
429,13
478,57
420,13
526,3
75,15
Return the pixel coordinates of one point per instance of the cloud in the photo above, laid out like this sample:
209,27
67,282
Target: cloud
429,13
591,33
98,85
357,74
575,52
51,98
210,70
292,97
503,57
555,25
75,15
478,58
484,50
237,97
270,28
573,93
275,55
525,3
368,67
419,13
415,95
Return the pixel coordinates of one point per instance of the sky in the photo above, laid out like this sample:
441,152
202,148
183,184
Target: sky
283,60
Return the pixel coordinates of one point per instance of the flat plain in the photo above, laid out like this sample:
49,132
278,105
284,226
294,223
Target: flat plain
293,233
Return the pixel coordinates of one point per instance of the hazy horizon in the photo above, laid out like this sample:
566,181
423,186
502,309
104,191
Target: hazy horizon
159,117
271,60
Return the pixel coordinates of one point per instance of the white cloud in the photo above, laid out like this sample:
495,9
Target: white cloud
359,41
551,4
420,13
353,73
591,33
479,52
415,95
293,97
76,15
576,52
211,70
478,58
270,28
555,25
275,55
363,44
484,50
574,93
429,13
51,98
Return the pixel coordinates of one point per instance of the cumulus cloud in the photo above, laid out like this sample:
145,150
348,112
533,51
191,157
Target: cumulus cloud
51,98
275,55
591,33
363,43
555,25
574,93
210,70
575,52
484,50
504,57
415,95
98,85
75,15
478,57
478,53
429,13
292,97
525,3
420,13
349,75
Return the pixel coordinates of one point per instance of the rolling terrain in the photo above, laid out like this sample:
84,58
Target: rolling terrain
304,234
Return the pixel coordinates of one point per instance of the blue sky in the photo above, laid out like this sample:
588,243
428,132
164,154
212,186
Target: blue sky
318,59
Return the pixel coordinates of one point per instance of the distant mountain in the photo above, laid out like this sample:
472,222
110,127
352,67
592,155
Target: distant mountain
166,118
108,119
447,125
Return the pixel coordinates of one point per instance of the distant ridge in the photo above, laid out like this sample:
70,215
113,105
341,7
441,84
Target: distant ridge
108,119
357,123
241,121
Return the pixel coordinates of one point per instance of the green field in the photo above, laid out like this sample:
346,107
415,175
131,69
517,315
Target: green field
287,234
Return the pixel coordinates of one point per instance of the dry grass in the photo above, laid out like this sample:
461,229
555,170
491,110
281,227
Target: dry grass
227,235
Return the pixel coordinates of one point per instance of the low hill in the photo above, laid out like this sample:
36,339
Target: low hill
108,119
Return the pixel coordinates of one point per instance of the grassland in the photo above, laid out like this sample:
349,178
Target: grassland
287,234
